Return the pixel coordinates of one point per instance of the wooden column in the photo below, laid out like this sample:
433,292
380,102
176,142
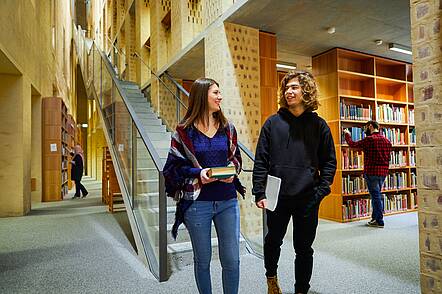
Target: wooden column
268,74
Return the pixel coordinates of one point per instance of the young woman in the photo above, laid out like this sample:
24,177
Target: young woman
77,172
205,139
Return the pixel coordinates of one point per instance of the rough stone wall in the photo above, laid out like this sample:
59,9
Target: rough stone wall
427,61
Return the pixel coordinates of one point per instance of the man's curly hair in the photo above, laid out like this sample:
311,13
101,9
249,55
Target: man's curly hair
308,87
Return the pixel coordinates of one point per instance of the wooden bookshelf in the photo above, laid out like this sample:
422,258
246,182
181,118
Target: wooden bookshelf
56,145
354,88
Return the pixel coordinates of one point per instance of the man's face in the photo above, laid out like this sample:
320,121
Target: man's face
293,93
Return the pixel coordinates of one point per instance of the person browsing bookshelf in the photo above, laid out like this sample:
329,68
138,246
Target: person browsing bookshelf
77,171
198,176
295,145
377,151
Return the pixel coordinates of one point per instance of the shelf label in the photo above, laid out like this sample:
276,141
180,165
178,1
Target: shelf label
53,147
121,147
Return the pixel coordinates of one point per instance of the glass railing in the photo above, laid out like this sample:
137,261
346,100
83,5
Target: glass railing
174,101
252,218
138,165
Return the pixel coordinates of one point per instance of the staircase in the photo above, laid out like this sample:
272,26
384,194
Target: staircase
180,250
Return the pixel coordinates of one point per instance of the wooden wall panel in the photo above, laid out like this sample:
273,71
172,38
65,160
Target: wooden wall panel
268,75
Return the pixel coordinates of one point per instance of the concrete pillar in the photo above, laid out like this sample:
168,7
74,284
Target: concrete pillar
232,59
15,145
427,75
36,150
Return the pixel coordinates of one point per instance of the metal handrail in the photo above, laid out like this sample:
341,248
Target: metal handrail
151,149
240,145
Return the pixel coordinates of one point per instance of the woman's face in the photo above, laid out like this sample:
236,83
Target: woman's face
214,98
293,93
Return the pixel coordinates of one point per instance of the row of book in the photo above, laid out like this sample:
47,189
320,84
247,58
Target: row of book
362,207
356,184
384,113
398,158
355,112
395,135
353,184
413,179
357,134
412,136
356,208
390,113
64,176
394,202
397,180
411,116
354,159
412,158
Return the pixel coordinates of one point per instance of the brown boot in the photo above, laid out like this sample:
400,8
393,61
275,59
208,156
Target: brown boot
273,285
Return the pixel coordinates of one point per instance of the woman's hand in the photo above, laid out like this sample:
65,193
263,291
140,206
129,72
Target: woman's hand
262,203
227,180
205,178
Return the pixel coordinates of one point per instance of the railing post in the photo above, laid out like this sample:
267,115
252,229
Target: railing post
163,228
101,82
134,163
178,106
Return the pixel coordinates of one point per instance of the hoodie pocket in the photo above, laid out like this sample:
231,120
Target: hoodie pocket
294,180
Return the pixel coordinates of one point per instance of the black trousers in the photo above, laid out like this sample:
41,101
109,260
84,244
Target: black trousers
79,187
304,232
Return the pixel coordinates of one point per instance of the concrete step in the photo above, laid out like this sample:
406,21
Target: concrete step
154,129
160,136
180,255
149,200
147,173
147,186
151,121
162,152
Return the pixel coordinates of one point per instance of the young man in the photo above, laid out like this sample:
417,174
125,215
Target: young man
377,150
295,145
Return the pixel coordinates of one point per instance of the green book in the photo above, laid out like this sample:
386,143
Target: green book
221,172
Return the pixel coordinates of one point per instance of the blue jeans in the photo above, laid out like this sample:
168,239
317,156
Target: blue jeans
198,220
374,184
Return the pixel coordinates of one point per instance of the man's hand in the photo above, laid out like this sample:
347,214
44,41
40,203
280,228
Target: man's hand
346,131
261,203
205,178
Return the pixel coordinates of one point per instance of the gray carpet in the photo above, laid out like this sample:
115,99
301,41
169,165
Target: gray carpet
75,246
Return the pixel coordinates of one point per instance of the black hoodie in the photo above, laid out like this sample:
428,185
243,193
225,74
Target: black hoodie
299,150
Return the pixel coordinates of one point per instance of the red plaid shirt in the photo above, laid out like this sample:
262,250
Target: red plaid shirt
377,150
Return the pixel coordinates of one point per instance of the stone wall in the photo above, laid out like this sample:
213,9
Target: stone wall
427,61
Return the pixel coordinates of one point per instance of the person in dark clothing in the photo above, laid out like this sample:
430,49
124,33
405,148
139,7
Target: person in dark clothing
296,145
77,172
377,150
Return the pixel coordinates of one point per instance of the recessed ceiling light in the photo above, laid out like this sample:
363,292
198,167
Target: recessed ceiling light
286,66
400,48
378,42
331,30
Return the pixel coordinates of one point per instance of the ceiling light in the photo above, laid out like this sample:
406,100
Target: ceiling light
331,30
400,48
84,125
286,66
378,42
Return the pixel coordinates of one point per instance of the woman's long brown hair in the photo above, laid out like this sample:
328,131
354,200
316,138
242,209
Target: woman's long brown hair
198,110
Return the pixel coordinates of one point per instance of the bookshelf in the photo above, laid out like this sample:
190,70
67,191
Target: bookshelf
71,132
56,145
355,88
